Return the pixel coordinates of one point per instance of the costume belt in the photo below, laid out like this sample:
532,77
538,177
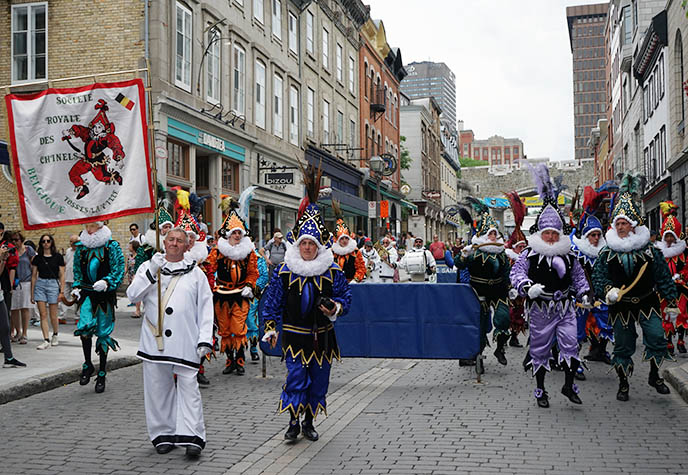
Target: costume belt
227,290
636,298
557,295
306,331
479,280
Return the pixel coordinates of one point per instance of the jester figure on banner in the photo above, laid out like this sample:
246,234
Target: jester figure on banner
550,279
631,275
673,247
514,247
307,293
346,253
98,271
489,267
97,137
232,269
586,243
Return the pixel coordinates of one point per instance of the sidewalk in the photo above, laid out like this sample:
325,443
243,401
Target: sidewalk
60,365
677,377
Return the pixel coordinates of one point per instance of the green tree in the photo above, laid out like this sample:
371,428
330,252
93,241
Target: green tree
405,157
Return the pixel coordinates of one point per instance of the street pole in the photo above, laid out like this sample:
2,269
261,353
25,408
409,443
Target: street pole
378,219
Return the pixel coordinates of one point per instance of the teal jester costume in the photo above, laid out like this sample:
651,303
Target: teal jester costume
98,271
630,274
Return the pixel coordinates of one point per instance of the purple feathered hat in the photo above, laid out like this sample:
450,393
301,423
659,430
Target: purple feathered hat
549,217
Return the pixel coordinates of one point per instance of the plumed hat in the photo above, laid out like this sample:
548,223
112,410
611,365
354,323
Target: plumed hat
519,210
671,224
485,222
588,221
233,222
342,228
550,217
625,202
310,224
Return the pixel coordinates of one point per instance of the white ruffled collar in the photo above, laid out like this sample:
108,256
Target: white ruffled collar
317,266
539,246
343,251
586,248
496,249
198,253
511,254
97,239
668,252
237,252
636,239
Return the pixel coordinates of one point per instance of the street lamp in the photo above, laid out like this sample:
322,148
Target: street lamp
377,164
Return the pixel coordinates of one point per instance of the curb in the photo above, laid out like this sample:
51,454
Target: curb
50,381
678,378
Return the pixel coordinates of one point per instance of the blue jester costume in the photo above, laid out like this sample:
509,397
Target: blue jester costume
252,318
98,271
292,303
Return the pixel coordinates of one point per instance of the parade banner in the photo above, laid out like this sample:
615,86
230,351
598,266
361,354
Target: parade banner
80,154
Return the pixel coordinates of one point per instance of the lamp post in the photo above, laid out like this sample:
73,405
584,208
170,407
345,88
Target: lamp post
377,164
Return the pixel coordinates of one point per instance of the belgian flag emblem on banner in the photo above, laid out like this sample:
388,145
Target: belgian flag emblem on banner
125,101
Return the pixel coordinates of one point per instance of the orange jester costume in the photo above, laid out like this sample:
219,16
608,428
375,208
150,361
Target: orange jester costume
236,266
346,253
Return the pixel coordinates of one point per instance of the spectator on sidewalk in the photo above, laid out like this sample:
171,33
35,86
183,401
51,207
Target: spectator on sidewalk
47,285
437,248
130,271
7,256
69,278
22,307
276,249
8,273
360,239
136,236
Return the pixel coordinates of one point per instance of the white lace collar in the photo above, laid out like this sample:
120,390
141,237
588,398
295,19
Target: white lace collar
97,239
487,248
317,266
586,248
668,252
343,251
511,254
198,252
636,239
539,246
238,252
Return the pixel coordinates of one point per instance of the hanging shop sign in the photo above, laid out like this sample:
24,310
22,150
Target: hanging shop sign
279,178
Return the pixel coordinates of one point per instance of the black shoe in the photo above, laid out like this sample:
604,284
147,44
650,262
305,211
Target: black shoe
83,191
164,448
293,431
202,380
254,356
513,341
681,346
466,362
193,451
87,371
240,370
309,431
670,347
13,363
622,393
100,382
542,398
229,367
606,359
579,374
501,357
571,393
117,177
658,384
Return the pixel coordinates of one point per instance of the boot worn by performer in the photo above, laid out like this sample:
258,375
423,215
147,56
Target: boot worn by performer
230,365
193,451
254,352
499,352
100,382
202,380
240,361
164,448
308,429
569,389
513,340
87,371
655,381
294,429
540,393
579,374
622,393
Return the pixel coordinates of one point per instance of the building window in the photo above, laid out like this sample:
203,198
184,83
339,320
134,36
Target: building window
177,159
309,32
239,94
326,121
476,152
352,133
340,128
230,175
277,111
326,48
258,10
310,111
182,76
213,87
277,19
352,73
515,153
293,47
294,115
260,95
338,62
678,61
29,37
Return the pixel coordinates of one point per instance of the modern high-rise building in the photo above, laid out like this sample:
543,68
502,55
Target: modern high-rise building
427,79
586,34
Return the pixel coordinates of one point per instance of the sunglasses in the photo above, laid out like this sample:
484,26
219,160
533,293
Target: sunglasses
43,241
133,229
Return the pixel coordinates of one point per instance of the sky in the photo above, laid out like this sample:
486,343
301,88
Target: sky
512,60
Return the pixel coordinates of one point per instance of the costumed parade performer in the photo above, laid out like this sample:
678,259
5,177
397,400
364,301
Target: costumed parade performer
549,277
166,203
586,244
388,259
172,342
234,288
673,247
346,253
488,267
418,262
372,262
307,293
98,271
514,247
629,273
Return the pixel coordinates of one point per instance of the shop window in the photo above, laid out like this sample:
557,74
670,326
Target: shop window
177,159
230,175
239,94
183,37
29,38
213,61
277,19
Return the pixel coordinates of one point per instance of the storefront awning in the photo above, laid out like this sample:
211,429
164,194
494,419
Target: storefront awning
452,223
409,205
383,191
348,202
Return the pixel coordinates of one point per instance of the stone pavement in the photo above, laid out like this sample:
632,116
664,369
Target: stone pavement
384,416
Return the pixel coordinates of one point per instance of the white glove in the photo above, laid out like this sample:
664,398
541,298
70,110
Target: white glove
535,290
585,301
100,286
337,309
268,336
513,294
156,263
76,293
246,292
203,351
612,296
676,277
672,313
